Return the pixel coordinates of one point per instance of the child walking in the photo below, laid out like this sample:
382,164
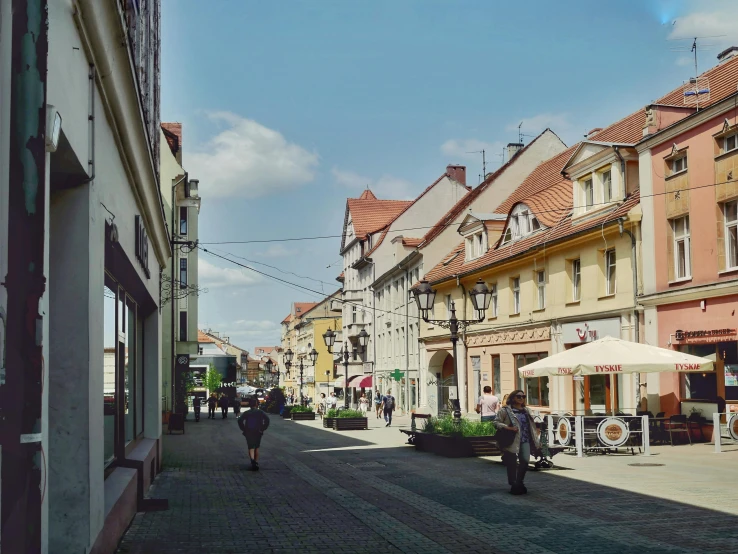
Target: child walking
253,422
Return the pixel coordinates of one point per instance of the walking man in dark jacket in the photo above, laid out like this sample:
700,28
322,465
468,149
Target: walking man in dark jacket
253,423
223,403
212,403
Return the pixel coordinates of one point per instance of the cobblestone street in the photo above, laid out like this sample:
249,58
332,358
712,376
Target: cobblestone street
323,491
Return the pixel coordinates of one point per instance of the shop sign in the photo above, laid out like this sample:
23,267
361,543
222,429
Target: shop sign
142,246
563,431
704,335
733,426
588,331
612,432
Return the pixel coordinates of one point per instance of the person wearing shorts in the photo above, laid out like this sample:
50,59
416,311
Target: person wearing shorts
253,422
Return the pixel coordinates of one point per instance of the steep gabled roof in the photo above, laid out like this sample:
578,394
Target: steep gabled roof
203,337
370,215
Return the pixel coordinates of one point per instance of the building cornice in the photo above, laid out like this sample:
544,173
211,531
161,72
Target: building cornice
689,294
687,123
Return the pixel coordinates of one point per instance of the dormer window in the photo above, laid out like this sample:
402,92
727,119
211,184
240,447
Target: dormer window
606,178
588,194
476,245
522,223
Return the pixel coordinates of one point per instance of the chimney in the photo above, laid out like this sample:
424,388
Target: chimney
512,149
727,54
457,173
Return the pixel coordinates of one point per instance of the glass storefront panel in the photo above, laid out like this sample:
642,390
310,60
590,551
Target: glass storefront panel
496,383
129,374
139,376
413,393
109,373
598,393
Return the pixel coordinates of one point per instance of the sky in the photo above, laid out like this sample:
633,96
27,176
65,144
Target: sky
289,107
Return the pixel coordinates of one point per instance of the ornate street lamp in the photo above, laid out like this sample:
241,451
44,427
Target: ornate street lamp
480,297
268,366
330,339
313,356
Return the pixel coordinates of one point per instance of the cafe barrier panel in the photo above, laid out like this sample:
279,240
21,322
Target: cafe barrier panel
725,433
599,433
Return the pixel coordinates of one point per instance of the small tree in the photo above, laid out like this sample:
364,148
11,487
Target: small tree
211,380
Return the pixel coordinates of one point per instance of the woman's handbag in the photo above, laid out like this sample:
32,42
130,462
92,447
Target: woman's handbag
505,437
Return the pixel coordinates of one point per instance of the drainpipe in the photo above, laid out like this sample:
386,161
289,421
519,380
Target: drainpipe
21,388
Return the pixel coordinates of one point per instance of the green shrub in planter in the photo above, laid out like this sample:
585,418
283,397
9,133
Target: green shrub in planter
331,413
300,409
464,428
349,413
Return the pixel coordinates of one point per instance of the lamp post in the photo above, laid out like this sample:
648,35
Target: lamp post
330,339
480,297
288,355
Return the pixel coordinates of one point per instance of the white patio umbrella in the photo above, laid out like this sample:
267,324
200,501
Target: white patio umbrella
608,356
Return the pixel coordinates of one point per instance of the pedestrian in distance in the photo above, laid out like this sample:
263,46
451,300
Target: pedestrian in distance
196,407
516,417
333,400
212,403
488,405
364,404
321,404
378,403
223,403
237,405
388,406
253,422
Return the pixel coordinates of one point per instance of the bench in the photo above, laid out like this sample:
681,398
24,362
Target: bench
415,416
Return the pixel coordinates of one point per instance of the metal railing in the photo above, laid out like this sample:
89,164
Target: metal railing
598,433
724,434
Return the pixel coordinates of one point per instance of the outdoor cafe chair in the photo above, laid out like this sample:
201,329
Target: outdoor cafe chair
678,424
694,423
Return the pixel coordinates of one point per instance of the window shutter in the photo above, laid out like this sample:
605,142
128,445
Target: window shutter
670,251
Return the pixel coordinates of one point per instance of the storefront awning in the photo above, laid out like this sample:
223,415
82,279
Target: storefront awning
609,356
341,382
361,382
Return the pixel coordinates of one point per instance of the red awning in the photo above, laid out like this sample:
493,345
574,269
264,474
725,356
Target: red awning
361,382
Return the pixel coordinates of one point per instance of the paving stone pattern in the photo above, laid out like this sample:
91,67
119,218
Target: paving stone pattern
325,491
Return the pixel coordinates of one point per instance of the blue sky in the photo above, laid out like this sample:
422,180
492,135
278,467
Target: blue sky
290,107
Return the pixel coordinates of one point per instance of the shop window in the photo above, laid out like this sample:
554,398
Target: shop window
183,220
515,286
476,363
728,353
183,273
682,262
700,386
496,378
730,211
610,274
536,388
109,374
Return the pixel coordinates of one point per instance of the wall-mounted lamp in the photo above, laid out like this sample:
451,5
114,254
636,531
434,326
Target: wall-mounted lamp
53,128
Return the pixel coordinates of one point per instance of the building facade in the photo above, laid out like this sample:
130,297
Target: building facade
84,242
289,378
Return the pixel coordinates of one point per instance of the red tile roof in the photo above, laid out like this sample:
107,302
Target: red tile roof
341,277
457,209
173,134
202,337
302,307
287,319
369,215
456,264
412,243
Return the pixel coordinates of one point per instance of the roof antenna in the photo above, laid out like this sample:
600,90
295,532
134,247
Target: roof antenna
484,163
520,133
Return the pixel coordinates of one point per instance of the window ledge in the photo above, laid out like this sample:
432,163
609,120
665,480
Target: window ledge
677,174
606,296
680,281
728,271
726,154
539,310
573,303
492,318
579,212
514,315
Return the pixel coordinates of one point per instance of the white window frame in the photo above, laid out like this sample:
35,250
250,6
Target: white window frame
576,280
681,161
610,272
733,136
516,295
731,228
494,302
607,192
684,240
541,284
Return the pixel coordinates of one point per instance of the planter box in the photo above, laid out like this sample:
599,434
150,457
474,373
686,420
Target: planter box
303,416
286,413
455,447
328,422
350,423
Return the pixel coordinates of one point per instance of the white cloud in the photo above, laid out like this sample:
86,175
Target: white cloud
277,251
212,276
709,19
469,149
386,187
249,160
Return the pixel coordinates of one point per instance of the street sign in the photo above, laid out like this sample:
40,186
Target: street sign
452,393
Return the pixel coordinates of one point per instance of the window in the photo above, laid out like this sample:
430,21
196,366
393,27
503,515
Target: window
183,273
682,262
493,302
679,164
508,236
354,314
479,245
183,220
536,388
522,223
610,275
541,284
731,143
183,326
588,194
576,280
448,304
516,295
731,233
475,246
607,185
